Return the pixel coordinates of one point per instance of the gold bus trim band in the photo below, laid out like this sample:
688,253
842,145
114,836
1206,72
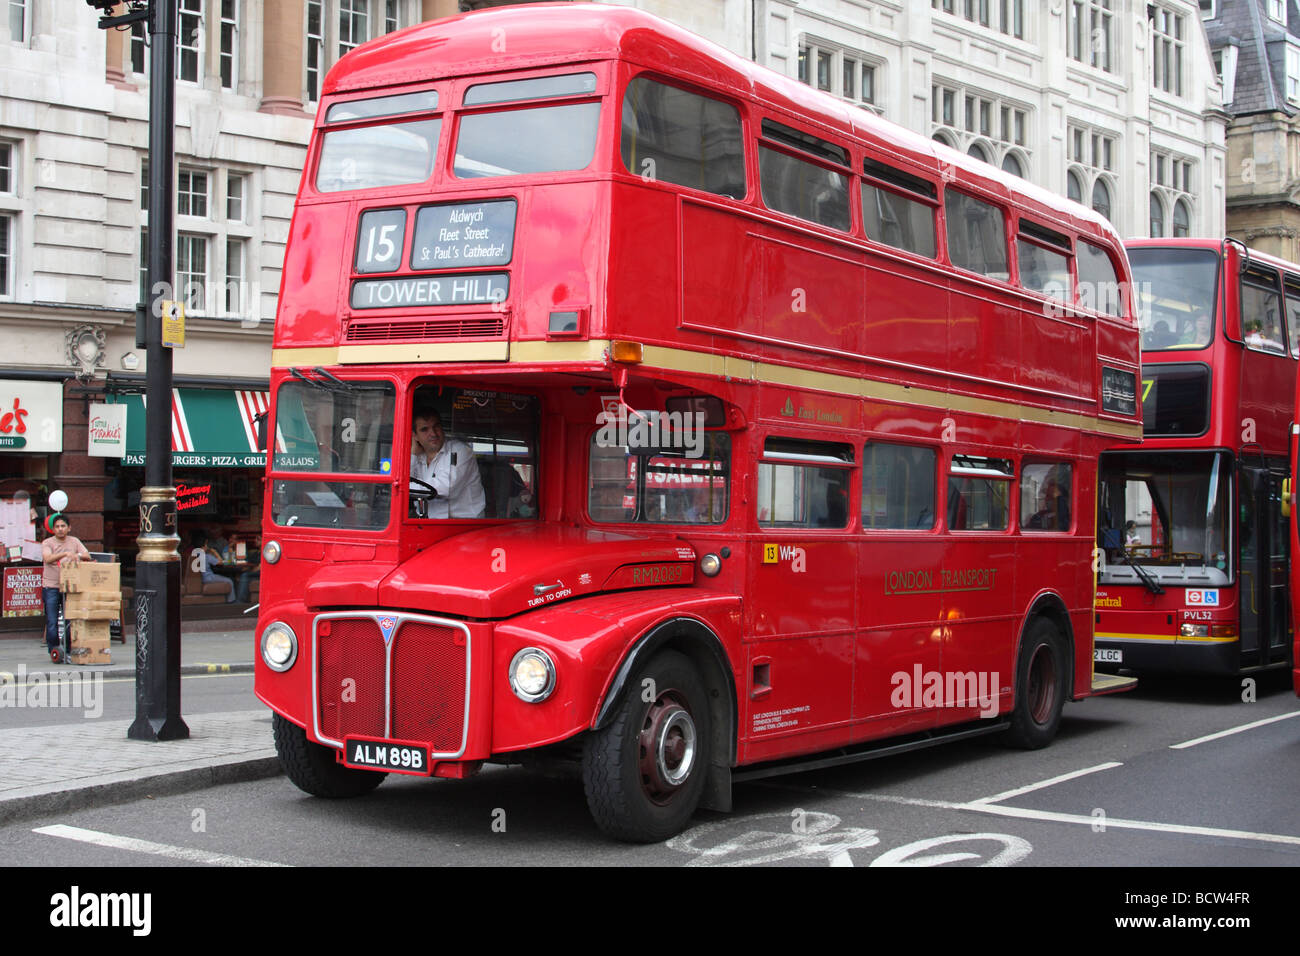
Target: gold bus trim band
700,363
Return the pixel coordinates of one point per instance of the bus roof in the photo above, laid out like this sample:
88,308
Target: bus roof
545,34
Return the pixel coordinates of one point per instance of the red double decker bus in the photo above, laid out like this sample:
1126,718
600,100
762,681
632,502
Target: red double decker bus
639,408
1196,571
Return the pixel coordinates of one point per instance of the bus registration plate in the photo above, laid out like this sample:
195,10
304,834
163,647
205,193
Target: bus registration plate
376,754
1107,655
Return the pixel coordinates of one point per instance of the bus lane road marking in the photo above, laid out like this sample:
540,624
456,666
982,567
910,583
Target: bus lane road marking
1008,794
810,835
115,842
1233,730
1052,816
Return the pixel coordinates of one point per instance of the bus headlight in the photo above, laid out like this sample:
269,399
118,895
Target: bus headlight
532,675
710,565
279,646
271,552
1195,630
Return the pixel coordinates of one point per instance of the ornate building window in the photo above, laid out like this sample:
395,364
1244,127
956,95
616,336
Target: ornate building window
1093,156
982,125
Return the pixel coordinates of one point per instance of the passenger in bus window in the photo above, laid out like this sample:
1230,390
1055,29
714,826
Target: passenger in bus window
1054,515
1196,331
448,466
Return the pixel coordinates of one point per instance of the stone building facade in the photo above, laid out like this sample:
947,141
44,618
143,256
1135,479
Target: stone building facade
1256,47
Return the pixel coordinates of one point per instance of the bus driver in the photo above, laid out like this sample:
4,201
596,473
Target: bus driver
446,465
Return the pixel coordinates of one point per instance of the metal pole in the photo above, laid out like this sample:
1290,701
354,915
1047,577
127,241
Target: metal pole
158,628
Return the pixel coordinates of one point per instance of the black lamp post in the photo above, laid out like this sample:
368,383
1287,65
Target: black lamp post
157,575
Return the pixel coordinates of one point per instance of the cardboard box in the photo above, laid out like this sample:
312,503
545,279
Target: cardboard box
88,633
87,655
92,606
90,576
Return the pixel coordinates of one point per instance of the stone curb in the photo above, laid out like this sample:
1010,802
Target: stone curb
239,770
122,670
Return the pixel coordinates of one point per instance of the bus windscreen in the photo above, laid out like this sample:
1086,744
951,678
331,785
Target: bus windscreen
1175,296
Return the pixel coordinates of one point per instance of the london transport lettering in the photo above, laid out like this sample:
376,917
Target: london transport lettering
923,582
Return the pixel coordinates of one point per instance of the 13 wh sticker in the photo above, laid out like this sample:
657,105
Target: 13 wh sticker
1209,598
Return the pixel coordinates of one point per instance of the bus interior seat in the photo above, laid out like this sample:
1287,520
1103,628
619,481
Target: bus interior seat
500,483
956,510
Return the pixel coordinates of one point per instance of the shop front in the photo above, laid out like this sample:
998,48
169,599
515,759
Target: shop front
217,468
31,440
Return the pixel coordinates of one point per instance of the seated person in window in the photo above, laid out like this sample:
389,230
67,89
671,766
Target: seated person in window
448,466
209,557
837,507
1054,515
1196,331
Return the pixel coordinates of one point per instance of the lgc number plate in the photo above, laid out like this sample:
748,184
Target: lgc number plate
391,755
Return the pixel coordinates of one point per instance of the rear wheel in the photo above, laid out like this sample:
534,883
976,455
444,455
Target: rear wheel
1041,687
312,766
644,772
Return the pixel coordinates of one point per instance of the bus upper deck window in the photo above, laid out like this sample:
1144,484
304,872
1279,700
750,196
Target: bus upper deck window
528,138
674,136
368,157
540,139
977,238
376,106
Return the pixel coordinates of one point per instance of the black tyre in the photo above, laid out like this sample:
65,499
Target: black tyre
1042,684
644,772
312,767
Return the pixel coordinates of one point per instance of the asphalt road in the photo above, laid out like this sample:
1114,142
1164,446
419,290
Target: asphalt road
1128,783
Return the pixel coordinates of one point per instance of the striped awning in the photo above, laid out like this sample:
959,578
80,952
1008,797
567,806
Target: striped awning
211,427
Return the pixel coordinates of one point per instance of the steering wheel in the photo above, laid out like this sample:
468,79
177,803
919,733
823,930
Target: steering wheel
425,490
421,496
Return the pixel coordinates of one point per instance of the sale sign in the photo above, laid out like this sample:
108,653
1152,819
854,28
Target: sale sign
22,592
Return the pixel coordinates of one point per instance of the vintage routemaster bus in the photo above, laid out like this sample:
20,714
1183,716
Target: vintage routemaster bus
640,408
1196,572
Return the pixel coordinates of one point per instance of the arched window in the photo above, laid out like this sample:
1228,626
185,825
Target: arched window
979,152
1182,220
943,138
1074,186
1101,198
1157,217
1011,164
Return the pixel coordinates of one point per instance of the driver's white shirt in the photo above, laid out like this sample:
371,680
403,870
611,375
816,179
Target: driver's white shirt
453,472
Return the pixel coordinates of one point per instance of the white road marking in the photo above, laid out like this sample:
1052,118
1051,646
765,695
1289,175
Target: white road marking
145,846
1235,730
1051,816
1047,783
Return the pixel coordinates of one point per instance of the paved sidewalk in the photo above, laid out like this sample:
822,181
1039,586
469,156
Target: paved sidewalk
94,763
202,652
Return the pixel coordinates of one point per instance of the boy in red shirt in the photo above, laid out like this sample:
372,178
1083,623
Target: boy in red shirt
57,550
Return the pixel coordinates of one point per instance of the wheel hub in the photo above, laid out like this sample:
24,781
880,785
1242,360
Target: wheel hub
1042,684
667,747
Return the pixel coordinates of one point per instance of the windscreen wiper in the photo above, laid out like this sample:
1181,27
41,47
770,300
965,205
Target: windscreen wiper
324,386
1143,574
345,386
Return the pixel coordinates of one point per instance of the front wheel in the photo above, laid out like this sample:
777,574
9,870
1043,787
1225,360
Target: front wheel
312,766
644,772
1042,675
